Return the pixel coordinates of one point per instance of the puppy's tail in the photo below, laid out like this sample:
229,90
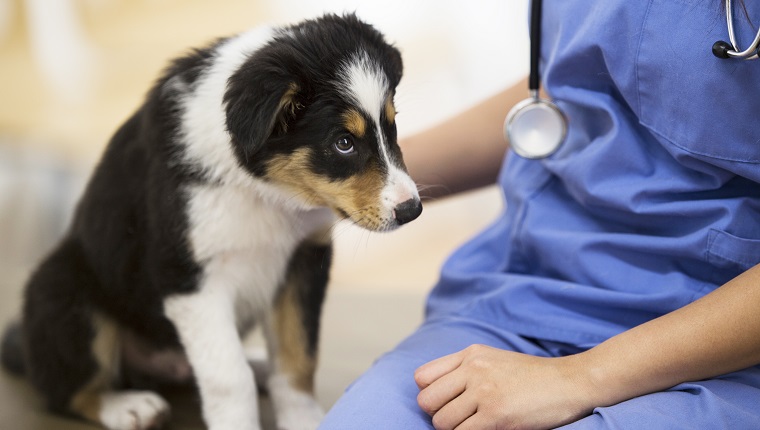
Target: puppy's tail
11,351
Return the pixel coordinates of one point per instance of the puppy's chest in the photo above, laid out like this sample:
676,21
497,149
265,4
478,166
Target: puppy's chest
242,243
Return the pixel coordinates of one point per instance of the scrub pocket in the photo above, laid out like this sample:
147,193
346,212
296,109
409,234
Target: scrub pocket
731,252
705,106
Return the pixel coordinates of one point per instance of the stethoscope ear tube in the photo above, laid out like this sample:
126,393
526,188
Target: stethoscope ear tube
534,80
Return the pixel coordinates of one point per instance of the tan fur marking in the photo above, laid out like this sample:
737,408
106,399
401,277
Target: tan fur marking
355,123
292,356
288,99
105,349
390,110
288,106
87,405
358,196
365,189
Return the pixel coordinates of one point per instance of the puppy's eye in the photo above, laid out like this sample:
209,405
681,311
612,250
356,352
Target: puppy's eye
344,145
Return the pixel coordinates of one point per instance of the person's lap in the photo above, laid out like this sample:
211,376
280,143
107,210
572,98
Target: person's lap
729,402
385,396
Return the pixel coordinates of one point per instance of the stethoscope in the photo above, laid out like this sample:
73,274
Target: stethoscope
722,49
535,128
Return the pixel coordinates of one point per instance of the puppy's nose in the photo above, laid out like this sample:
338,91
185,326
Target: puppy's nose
407,211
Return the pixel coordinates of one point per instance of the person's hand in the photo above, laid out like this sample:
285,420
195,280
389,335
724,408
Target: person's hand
487,388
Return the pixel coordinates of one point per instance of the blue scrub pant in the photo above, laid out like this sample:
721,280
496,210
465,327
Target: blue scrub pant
385,396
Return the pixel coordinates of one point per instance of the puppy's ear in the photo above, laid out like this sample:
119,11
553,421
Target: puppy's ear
262,98
395,65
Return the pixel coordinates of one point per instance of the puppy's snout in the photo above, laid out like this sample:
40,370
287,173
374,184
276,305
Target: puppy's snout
407,211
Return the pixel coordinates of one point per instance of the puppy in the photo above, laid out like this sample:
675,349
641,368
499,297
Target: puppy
211,210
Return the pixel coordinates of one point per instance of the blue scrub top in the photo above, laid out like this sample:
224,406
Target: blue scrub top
654,199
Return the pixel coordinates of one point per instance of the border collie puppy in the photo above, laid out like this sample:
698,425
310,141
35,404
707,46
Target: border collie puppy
211,210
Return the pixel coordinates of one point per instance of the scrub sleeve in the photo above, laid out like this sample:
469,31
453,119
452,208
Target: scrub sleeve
652,202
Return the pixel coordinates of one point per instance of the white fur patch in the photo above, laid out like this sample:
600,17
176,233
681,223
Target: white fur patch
207,329
365,84
248,240
399,188
244,243
132,410
293,409
203,133
204,127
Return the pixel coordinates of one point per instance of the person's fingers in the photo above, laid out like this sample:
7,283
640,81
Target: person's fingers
475,421
454,413
430,372
442,391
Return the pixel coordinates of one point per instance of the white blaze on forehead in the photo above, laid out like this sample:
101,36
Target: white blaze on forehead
367,86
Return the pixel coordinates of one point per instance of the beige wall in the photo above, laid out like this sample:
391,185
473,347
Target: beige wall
69,79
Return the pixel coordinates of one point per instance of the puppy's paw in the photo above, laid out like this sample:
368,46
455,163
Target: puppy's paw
133,410
305,417
294,409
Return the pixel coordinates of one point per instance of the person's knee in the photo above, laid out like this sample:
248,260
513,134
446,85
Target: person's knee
383,397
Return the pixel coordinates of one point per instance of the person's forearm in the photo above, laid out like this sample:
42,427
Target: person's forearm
464,152
718,334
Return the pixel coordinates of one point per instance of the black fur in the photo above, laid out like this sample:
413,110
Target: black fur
307,57
11,354
125,251
57,325
311,266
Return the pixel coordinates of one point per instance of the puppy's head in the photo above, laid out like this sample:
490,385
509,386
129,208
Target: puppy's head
312,112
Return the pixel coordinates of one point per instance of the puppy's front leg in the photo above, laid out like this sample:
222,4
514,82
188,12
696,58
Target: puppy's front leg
292,333
205,321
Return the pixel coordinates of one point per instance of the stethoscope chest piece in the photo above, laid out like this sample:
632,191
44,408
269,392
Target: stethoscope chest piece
535,128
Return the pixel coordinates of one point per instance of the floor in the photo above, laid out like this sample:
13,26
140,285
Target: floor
377,322
70,76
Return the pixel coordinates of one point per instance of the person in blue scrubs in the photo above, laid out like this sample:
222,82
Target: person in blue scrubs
620,288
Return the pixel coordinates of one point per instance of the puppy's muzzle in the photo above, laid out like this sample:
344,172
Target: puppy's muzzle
407,211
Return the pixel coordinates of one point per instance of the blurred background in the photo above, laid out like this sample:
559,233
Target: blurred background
71,71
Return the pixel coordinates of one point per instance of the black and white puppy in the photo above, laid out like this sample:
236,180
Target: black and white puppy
211,210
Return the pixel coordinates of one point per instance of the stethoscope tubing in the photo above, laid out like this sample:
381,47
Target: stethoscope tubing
749,53
534,81
535,128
